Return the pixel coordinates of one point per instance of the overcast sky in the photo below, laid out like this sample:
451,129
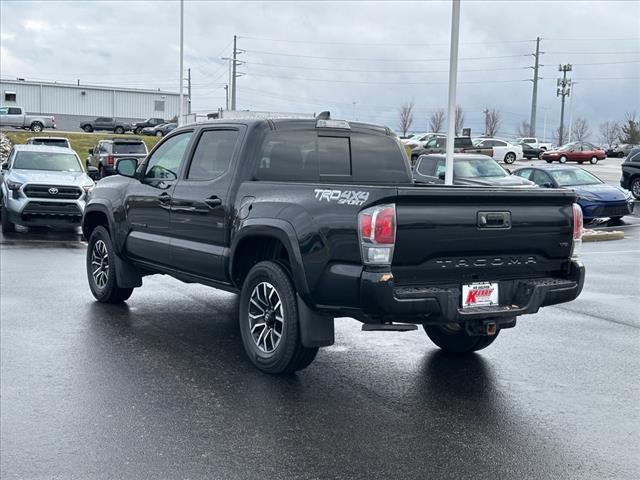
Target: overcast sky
307,57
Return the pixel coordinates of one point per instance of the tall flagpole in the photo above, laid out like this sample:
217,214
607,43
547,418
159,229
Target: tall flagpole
181,106
453,78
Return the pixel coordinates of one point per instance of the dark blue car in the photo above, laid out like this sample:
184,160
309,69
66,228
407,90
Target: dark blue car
596,198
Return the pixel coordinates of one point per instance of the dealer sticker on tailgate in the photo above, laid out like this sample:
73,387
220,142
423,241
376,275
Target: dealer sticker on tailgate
479,295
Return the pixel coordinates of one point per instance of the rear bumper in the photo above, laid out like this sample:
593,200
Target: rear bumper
419,304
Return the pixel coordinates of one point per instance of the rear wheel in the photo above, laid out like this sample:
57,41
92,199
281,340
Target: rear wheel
7,225
580,162
620,154
593,160
510,158
563,159
87,128
269,322
549,161
158,133
138,131
101,267
635,187
454,338
37,127
119,130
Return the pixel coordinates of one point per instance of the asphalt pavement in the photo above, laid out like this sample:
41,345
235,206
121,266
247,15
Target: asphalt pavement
160,388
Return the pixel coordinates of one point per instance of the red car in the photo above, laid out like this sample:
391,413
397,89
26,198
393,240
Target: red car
575,152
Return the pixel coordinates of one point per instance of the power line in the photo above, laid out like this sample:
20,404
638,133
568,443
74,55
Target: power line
385,44
382,59
379,83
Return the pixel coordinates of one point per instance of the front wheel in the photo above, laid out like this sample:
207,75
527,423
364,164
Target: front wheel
635,188
549,161
138,131
269,322
563,159
87,128
101,267
454,338
158,134
118,130
593,160
510,158
37,127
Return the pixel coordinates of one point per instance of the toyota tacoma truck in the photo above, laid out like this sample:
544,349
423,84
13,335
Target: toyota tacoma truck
312,220
15,117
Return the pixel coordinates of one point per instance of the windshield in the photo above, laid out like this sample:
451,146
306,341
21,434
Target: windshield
129,148
477,167
57,162
50,142
571,177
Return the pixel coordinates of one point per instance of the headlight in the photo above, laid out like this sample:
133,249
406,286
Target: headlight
11,185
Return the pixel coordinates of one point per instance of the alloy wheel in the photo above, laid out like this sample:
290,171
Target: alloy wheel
266,317
100,264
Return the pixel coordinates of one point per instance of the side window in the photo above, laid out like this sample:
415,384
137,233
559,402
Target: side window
213,154
499,143
165,161
540,178
440,168
14,111
525,173
334,156
432,143
4,111
529,140
427,166
288,156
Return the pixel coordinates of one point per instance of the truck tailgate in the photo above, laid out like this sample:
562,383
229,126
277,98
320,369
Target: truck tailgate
458,234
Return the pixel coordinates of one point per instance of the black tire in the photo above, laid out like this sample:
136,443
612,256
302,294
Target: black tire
455,339
109,291
87,128
118,130
138,131
158,134
563,159
287,354
510,158
549,161
635,188
37,127
593,160
101,172
620,154
580,162
7,225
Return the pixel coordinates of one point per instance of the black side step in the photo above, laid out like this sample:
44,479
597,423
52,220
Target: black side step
388,327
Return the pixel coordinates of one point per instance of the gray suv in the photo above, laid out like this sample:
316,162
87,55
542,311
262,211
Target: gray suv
106,153
43,185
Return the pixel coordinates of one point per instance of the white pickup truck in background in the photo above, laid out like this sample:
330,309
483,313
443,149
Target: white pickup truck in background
534,143
15,117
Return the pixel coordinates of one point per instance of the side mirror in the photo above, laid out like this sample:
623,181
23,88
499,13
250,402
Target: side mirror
93,172
547,185
91,151
127,167
5,165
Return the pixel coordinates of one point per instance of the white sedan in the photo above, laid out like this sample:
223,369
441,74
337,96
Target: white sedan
503,151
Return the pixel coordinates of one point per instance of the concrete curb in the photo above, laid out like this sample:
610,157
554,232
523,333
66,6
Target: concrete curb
602,235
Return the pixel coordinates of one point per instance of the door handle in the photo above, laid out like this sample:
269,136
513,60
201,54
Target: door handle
213,201
164,199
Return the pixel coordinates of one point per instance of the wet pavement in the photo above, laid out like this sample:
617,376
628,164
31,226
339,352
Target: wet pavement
160,387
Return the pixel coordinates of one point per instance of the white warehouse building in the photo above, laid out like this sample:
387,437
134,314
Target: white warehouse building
73,103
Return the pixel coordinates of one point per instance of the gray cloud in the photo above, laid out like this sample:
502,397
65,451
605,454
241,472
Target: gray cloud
136,44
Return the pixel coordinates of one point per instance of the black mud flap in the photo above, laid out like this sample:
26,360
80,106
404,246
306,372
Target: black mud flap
316,330
127,276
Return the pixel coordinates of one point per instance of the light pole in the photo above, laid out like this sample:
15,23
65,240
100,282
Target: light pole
453,78
181,106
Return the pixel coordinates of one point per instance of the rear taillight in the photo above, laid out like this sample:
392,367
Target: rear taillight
110,160
577,231
377,233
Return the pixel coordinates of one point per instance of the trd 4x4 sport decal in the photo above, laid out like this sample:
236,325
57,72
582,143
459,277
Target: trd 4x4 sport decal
342,197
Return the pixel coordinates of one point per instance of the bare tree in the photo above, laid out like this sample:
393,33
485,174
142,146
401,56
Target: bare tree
436,120
556,136
580,130
609,133
492,121
406,118
524,128
459,119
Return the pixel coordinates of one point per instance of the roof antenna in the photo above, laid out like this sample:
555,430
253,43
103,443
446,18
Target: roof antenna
326,115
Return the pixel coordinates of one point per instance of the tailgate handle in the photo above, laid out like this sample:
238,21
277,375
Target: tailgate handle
494,220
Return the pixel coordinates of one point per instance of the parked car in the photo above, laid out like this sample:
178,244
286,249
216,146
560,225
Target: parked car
534,142
106,124
529,151
622,151
596,198
421,141
439,145
503,151
575,152
631,173
315,219
411,136
468,169
106,153
15,117
160,130
149,122
50,141
43,185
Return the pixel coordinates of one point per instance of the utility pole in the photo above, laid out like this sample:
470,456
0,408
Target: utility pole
181,106
233,76
534,97
189,90
564,89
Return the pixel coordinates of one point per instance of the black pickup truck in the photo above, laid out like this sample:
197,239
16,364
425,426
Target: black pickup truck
315,219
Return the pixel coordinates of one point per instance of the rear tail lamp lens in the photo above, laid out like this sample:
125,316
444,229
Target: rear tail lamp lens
377,233
577,230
